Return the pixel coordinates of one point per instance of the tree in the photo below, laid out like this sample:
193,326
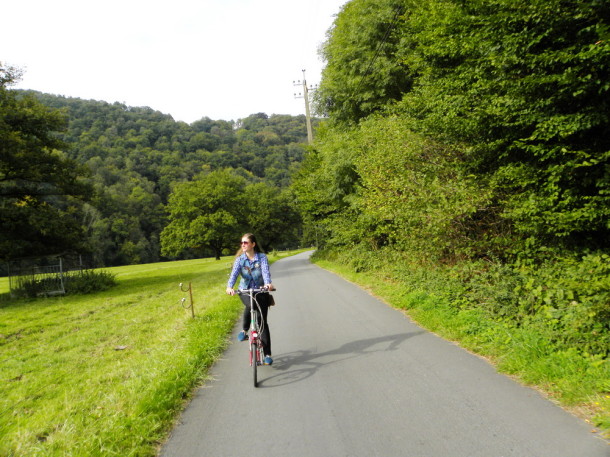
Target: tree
137,156
41,190
516,89
523,87
205,215
365,69
416,191
271,213
325,185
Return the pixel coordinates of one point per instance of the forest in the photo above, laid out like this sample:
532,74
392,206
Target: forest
117,168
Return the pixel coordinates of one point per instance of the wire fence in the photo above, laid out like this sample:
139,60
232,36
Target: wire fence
40,276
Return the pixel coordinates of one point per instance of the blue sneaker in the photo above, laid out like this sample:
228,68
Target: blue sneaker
268,360
242,336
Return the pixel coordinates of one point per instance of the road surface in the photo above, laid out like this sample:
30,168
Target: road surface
353,377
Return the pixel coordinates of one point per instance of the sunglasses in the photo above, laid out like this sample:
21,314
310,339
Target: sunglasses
245,242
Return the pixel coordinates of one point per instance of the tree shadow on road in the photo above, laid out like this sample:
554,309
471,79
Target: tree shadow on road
310,361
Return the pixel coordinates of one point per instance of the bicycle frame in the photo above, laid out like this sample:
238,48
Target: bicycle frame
256,345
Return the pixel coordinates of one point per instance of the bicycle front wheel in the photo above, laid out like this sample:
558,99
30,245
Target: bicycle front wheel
254,358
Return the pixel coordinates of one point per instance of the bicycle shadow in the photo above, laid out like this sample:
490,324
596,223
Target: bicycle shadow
312,361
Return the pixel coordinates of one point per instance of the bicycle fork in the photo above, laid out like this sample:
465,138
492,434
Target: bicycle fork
254,341
253,338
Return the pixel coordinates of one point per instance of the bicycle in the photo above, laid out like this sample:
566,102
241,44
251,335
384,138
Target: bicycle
256,345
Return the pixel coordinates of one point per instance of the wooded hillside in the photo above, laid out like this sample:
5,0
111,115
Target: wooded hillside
133,157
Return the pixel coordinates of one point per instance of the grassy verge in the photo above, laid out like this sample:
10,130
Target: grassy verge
106,374
4,285
578,382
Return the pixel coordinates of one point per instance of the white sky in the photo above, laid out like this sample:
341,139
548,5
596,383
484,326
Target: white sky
224,59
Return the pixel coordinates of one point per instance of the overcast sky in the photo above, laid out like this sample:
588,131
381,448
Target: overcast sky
224,59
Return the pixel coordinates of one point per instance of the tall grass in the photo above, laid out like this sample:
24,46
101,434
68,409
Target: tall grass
105,374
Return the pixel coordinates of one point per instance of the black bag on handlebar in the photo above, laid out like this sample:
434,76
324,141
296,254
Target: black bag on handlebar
271,300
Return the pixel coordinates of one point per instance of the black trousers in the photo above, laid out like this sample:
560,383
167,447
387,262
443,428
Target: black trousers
263,303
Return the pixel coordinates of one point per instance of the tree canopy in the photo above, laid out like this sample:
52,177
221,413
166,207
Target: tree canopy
211,212
465,160
505,103
42,191
134,157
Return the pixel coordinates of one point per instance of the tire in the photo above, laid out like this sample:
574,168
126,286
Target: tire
254,358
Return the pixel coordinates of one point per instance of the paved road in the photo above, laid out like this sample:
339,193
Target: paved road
353,377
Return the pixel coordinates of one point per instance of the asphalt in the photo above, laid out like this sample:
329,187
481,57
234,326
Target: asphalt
354,377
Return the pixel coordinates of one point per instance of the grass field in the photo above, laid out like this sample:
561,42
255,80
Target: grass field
106,374
4,285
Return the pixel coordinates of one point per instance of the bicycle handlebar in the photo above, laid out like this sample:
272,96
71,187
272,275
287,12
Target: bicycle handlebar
254,291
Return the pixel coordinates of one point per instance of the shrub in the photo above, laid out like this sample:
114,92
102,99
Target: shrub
75,282
88,281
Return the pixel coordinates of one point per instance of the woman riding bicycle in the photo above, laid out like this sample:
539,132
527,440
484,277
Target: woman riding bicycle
253,267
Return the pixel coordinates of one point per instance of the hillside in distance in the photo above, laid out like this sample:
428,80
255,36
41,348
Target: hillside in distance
136,154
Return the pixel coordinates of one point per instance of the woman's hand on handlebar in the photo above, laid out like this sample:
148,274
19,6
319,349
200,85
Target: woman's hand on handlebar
265,288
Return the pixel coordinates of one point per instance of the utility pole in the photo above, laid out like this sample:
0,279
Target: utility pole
306,97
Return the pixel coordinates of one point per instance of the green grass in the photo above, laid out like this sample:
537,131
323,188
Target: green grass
106,374
580,383
4,285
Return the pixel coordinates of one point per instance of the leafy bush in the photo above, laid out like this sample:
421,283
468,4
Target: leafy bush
87,281
415,188
571,298
75,282
565,300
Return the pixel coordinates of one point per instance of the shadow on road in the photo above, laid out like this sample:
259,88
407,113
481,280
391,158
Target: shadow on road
300,365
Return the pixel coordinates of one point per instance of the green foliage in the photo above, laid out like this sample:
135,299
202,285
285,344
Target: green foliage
204,214
362,73
34,287
74,282
89,281
324,187
272,214
137,155
417,188
524,86
515,91
571,299
211,212
41,189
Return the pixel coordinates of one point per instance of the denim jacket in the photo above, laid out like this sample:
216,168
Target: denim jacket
254,273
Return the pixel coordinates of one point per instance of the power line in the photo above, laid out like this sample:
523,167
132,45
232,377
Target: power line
380,46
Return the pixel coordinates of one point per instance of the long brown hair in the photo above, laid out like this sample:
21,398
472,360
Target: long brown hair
252,239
